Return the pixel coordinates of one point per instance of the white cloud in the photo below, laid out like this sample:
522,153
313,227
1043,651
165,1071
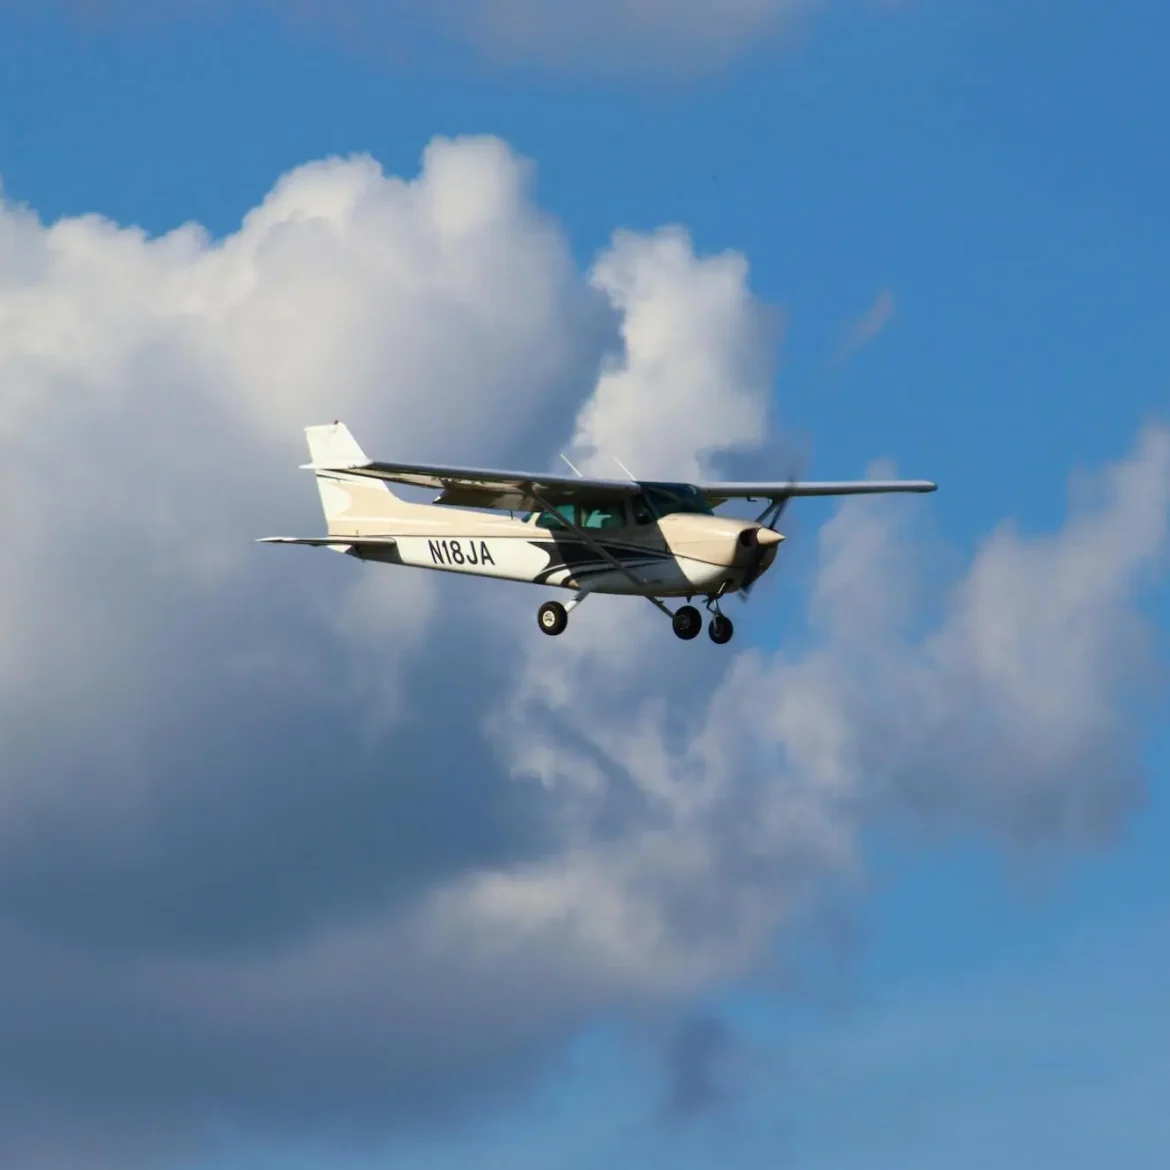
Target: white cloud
158,387
284,875
699,360
169,684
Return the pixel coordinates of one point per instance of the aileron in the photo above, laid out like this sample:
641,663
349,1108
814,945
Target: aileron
780,490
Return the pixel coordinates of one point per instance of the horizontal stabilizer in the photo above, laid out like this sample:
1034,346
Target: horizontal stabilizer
363,548
327,541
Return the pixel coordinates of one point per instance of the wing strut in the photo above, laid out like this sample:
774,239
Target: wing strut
771,513
602,552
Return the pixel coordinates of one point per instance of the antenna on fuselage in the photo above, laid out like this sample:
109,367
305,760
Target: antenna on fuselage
571,467
629,473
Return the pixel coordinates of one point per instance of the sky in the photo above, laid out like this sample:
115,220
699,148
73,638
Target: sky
311,864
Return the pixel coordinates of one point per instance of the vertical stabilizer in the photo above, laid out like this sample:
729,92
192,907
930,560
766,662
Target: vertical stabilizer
354,505
332,445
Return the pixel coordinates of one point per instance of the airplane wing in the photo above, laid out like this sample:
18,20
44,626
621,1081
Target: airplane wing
720,493
471,487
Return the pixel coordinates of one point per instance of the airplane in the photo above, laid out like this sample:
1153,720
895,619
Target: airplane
649,539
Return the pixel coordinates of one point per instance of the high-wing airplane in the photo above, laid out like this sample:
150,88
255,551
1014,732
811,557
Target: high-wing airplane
644,538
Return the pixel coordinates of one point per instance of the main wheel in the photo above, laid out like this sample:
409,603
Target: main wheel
552,617
720,630
687,622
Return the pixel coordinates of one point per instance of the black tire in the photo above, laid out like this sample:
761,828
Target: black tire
720,630
552,618
687,622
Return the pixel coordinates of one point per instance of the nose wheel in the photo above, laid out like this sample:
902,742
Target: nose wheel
720,630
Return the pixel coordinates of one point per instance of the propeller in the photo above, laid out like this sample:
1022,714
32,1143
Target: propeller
765,549
786,454
762,542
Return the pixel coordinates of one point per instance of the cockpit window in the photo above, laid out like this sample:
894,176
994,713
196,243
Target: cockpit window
647,507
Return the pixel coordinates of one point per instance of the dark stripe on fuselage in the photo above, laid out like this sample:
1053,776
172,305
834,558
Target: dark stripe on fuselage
579,558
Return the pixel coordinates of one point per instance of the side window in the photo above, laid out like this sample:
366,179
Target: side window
607,516
557,517
642,511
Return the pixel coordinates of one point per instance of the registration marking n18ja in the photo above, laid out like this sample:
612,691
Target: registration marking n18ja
460,552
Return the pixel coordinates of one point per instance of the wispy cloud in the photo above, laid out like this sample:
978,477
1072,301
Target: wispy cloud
864,329
672,37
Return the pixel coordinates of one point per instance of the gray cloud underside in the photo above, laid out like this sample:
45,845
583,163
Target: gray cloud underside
290,843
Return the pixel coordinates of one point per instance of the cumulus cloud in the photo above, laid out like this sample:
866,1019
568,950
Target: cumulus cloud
291,842
697,366
197,767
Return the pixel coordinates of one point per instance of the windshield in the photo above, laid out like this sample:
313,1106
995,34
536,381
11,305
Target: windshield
668,498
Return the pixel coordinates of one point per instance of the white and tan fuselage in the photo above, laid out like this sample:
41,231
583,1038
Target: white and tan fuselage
645,538
679,555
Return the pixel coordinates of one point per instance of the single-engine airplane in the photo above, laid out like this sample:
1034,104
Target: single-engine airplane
643,538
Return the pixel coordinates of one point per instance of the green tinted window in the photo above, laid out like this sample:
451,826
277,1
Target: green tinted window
558,516
606,516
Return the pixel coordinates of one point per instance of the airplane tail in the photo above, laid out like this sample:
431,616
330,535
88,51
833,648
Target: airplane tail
354,505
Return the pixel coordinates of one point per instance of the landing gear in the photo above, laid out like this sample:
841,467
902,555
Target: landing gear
687,622
552,617
720,630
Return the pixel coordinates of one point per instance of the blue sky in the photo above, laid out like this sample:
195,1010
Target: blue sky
1001,171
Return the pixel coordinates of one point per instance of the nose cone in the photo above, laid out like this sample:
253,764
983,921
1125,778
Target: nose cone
768,538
